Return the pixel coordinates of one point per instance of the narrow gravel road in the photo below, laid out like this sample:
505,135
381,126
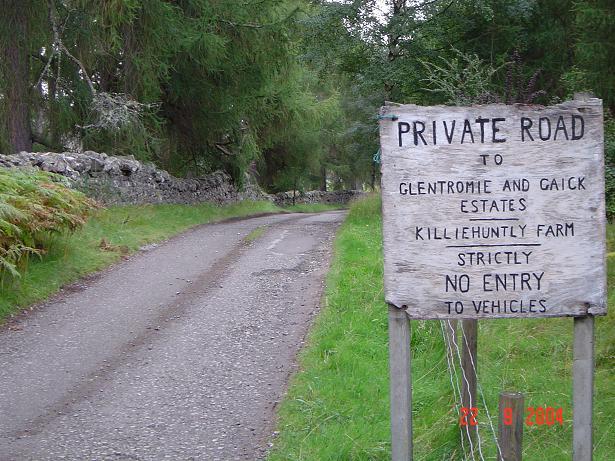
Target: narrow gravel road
180,352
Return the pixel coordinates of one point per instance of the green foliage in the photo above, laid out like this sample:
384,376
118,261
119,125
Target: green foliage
34,204
462,80
609,189
299,131
458,52
195,85
594,49
609,155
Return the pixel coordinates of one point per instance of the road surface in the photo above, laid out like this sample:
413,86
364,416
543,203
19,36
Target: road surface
180,352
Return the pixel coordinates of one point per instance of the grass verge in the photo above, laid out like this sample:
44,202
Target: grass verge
110,234
337,407
255,234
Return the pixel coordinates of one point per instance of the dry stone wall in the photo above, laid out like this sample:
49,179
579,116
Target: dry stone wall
124,180
116,180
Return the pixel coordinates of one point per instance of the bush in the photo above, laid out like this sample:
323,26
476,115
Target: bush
34,204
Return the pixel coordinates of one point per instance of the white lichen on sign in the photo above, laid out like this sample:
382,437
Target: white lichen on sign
495,210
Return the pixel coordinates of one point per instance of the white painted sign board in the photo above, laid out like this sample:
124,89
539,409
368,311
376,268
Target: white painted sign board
495,210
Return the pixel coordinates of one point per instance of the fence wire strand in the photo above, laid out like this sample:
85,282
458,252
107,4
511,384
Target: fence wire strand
454,382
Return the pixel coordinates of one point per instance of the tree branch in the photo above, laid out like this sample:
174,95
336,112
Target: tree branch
251,25
60,44
223,149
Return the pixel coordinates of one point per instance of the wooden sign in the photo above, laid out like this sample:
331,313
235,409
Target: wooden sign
494,211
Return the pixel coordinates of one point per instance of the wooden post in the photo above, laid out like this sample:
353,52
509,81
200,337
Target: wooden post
401,385
583,389
469,340
510,436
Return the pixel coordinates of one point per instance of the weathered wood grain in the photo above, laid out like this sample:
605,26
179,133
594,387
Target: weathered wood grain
567,272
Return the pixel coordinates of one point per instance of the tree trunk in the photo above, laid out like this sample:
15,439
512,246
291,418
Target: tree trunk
16,69
393,39
130,69
54,129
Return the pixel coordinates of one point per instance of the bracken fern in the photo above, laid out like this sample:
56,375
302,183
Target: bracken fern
34,204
